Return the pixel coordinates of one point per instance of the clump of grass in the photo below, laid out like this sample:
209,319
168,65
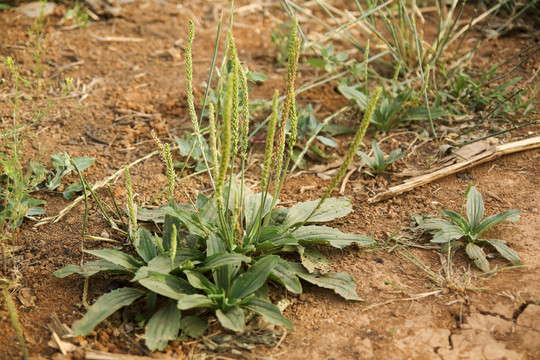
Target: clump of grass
431,76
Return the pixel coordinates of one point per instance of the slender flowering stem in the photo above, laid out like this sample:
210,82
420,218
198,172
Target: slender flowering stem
225,145
266,176
190,97
131,205
353,147
235,100
170,172
213,136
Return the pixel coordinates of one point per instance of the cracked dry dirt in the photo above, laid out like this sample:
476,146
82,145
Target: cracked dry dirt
414,319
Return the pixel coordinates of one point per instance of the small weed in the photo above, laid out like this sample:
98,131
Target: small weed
379,162
330,61
456,227
189,148
16,180
398,105
78,14
281,37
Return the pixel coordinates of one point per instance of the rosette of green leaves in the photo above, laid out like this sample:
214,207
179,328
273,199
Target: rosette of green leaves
155,269
379,162
456,227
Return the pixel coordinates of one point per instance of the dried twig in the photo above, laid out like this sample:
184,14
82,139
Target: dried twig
491,153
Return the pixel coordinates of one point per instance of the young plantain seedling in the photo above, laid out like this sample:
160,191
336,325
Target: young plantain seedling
379,162
457,227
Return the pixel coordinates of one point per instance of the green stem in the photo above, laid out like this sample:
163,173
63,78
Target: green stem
15,322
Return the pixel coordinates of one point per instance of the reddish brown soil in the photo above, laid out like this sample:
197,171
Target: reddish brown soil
405,315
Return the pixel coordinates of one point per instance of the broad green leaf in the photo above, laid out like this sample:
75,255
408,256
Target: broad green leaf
202,200
284,274
194,225
167,285
316,62
313,260
193,326
162,263
456,218
234,319
199,281
71,189
252,208
169,225
420,113
221,275
352,94
490,221
341,284
269,311
209,211
448,233
214,245
338,129
476,254
34,211
195,301
272,238
256,76
394,156
434,224
220,259
151,215
39,173
327,141
105,306
91,268
144,244
475,208
377,155
505,251
117,257
366,159
255,277
162,327
60,162
83,162
316,234
331,209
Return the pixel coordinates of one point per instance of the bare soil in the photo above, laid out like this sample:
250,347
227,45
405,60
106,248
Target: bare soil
405,315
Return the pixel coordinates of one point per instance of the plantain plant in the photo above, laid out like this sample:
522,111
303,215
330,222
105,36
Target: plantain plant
216,254
379,162
469,229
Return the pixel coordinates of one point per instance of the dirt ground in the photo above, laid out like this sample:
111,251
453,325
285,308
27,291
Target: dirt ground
405,315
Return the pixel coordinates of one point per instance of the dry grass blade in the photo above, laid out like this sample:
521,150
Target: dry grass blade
116,38
103,355
413,298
